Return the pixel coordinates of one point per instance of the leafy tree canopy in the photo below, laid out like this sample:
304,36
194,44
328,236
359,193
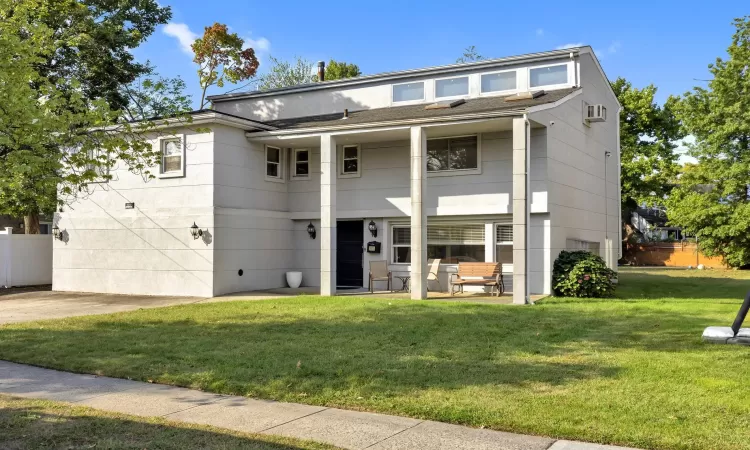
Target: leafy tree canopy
647,135
337,70
220,56
285,74
712,199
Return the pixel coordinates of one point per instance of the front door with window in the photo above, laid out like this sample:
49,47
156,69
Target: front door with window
349,247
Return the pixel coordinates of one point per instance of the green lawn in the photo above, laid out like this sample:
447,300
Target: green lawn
630,371
37,424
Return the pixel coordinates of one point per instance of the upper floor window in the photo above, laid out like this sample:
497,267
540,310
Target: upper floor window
350,160
408,92
497,82
301,163
273,163
452,87
548,76
171,155
458,153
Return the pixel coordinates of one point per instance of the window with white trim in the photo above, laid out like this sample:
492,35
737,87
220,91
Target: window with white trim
99,164
350,160
548,76
452,87
301,167
408,92
504,243
171,156
457,153
274,163
453,243
498,82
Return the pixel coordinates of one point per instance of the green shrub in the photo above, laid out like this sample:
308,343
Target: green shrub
582,274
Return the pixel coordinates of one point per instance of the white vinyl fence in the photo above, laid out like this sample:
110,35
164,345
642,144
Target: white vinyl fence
25,260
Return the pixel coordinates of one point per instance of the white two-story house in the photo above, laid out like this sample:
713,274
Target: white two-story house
507,160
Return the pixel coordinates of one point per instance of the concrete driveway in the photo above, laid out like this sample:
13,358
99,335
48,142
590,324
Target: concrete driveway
26,304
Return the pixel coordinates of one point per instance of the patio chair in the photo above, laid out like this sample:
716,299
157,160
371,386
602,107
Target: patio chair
433,266
379,272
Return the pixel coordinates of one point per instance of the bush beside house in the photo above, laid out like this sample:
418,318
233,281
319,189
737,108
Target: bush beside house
582,274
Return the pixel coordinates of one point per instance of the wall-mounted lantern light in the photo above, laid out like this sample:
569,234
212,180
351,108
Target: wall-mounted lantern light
373,228
195,231
311,230
56,233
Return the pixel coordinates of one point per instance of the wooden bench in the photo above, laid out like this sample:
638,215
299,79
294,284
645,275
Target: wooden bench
478,274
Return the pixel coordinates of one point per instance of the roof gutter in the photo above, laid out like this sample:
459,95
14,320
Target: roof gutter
198,118
532,57
392,123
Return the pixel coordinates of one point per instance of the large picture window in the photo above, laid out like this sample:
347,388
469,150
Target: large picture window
453,243
458,153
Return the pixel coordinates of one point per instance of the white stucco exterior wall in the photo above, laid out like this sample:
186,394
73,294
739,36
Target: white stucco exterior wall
148,249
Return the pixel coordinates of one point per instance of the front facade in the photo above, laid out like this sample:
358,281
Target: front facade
493,161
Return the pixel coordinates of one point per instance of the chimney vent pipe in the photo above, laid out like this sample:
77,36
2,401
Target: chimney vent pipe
321,71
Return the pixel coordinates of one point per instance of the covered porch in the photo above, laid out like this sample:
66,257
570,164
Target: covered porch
348,199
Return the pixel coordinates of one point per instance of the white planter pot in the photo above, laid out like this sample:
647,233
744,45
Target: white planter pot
294,279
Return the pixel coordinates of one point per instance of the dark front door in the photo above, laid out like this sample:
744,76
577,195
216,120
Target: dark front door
349,247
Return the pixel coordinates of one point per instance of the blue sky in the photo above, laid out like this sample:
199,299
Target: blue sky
668,43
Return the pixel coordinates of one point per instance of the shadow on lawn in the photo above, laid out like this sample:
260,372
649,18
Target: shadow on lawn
381,350
28,424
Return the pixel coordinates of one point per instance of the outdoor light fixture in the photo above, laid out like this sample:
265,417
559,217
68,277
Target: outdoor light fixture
56,233
373,228
311,230
195,231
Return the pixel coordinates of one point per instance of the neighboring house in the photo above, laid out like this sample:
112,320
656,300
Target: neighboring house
6,221
651,223
495,160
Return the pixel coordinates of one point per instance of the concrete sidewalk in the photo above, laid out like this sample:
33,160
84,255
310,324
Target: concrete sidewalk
347,429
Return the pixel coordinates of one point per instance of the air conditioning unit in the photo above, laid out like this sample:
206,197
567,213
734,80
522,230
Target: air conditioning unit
595,113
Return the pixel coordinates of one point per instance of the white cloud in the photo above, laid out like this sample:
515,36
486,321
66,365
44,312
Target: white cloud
614,47
183,34
540,32
573,45
682,149
259,45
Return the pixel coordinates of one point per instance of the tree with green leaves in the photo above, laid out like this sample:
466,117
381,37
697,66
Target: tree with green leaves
220,57
284,74
647,135
712,199
152,95
470,54
57,137
337,70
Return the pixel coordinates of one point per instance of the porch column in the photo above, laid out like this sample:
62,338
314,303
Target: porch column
520,211
418,214
327,215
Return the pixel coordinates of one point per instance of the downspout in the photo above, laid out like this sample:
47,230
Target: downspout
619,189
527,207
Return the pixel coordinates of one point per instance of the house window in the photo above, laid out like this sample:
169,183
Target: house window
452,87
504,244
401,245
273,162
497,82
350,160
453,243
408,92
99,164
301,163
171,155
548,76
460,153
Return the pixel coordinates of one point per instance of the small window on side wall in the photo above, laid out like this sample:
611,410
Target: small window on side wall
301,163
548,76
172,157
350,164
408,92
273,163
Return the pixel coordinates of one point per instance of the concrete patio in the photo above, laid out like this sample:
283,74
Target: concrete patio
346,429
